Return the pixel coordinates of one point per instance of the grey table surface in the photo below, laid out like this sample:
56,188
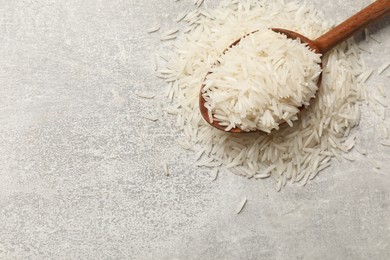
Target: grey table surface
81,174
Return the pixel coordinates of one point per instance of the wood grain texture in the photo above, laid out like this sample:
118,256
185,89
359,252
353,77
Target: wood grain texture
354,24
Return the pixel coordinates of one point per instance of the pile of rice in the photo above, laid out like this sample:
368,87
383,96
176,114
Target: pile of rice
261,82
295,154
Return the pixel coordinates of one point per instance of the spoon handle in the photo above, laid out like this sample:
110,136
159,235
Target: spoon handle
352,25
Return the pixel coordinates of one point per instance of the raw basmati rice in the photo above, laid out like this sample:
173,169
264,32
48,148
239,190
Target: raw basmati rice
145,95
170,32
153,29
165,168
180,17
385,143
215,174
241,205
365,50
349,157
365,75
361,150
168,37
381,90
198,3
185,144
383,67
296,153
258,86
150,117
384,131
375,38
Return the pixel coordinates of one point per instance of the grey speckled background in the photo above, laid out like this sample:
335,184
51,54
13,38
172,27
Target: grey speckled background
81,174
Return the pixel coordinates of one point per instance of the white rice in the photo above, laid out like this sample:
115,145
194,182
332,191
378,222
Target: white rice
384,131
380,100
150,117
168,37
258,86
198,3
375,38
361,150
385,143
145,95
153,61
296,153
153,29
185,144
349,157
365,50
241,205
165,168
170,32
381,90
214,174
365,75
180,17
383,67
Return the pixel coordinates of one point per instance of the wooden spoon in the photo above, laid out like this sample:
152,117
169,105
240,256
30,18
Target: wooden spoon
321,45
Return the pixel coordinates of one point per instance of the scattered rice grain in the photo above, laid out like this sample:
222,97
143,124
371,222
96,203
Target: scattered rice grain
383,67
165,168
241,205
153,29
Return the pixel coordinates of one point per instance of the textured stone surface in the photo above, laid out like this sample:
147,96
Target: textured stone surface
81,173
